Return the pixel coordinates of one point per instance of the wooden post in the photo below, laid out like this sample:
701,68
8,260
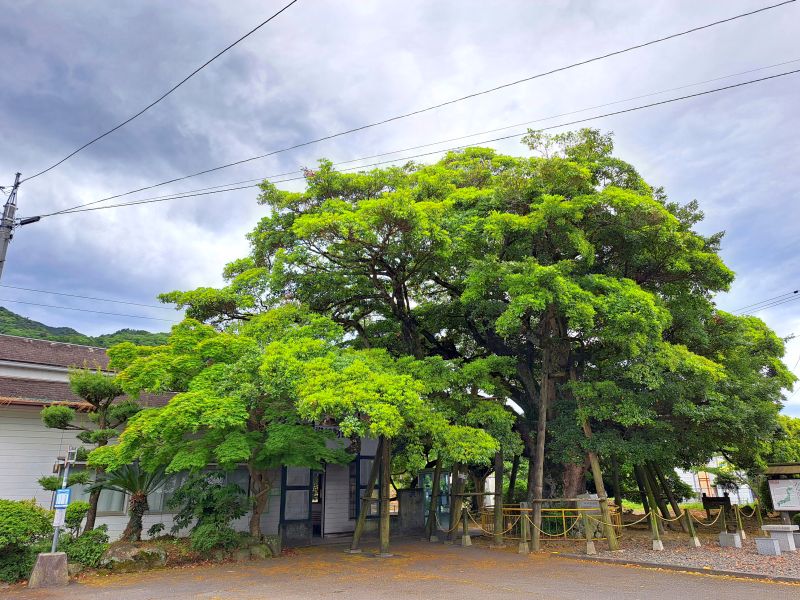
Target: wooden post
723,520
432,528
366,500
694,541
650,499
739,525
386,474
757,507
466,540
524,528
654,487
657,543
664,483
597,474
498,501
590,549
642,491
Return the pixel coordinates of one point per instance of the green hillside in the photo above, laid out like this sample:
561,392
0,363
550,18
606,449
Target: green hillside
14,324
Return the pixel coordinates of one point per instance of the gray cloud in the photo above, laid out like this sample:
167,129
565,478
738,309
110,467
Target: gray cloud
72,69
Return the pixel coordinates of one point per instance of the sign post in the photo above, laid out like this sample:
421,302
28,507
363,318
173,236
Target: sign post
62,499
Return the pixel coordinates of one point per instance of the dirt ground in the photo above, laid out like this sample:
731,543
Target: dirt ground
418,570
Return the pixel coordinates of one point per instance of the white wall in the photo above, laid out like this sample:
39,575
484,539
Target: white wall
28,450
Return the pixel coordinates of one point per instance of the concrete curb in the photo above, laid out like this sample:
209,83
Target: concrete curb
685,569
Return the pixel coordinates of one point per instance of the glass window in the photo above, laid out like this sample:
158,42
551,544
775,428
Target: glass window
110,502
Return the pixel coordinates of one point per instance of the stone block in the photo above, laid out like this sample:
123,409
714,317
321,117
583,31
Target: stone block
796,540
50,570
241,554
658,545
274,543
769,546
730,540
128,558
260,552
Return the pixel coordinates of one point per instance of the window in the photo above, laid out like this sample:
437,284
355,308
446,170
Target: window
110,502
359,477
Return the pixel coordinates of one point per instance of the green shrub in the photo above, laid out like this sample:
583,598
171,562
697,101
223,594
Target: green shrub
88,548
210,536
22,522
24,527
76,511
207,499
155,530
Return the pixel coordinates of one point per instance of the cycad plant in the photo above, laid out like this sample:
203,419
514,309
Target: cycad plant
138,484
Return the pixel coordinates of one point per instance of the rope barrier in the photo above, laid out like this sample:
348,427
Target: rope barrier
562,534
746,516
699,522
680,516
487,532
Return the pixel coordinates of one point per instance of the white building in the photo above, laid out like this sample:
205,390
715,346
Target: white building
304,505
702,482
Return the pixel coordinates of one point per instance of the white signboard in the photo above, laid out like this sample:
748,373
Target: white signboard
62,498
785,494
58,518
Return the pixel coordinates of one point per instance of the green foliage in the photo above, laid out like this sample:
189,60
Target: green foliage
76,511
205,499
14,324
22,522
53,482
23,525
87,548
209,536
155,530
57,417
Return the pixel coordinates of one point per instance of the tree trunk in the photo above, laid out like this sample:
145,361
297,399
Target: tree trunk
456,500
651,499
91,514
573,479
676,507
386,473
512,479
656,489
637,474
137,506
260,486
545,396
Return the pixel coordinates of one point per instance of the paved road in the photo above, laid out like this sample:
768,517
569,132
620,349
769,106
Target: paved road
418,570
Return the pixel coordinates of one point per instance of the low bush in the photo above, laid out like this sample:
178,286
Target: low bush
210,536
24,527
73,518
155,530
87,548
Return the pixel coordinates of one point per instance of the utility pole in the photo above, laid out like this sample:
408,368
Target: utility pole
9,222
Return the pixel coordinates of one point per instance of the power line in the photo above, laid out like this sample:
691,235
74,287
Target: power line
97,312
164,95
88,206
740,309
16,287
774,304
442,104
178,195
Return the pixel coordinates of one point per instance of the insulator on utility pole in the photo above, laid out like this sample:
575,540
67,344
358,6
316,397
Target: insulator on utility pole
7,224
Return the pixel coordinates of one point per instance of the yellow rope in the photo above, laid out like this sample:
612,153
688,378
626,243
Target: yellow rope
746,516
469,514
699,522
680,516
553,535
646,515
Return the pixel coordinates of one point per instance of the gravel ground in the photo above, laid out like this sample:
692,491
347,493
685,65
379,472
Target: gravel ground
638,547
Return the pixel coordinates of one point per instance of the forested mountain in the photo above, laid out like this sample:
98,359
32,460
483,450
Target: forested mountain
14,324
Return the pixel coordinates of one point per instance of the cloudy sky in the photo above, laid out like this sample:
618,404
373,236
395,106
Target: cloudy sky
71,70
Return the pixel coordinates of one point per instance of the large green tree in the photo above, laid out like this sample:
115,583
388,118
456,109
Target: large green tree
583,294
